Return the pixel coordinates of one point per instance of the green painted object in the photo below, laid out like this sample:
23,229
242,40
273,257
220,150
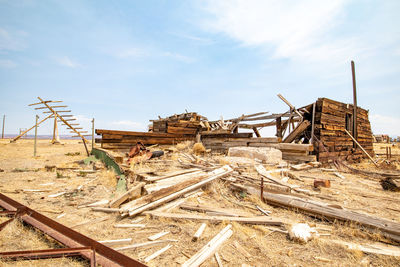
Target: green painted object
110,163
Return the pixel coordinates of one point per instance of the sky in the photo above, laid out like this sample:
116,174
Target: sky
127,62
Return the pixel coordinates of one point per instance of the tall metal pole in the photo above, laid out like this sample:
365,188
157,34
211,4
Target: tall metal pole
35,143
353,72
92,133
2,132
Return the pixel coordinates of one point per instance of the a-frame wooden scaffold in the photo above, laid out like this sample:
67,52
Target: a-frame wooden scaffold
65,119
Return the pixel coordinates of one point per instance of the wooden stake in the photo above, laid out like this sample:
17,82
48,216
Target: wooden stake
92,133
2,132
36,125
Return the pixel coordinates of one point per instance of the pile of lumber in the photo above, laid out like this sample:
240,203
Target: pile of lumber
185,123
112,139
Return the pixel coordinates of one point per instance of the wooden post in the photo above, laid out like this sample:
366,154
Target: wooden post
2,132
56,138
92,133
312,123
279,128
35,142
353,72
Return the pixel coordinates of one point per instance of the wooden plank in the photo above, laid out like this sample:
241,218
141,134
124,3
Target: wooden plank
217,211
210,248
296,132
262,220
213,175
121,199
363,150
157,253
324,210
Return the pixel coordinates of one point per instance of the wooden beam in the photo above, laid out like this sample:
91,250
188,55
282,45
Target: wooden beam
290,105
256,132
263,220
119,200
322,210
353,72
23,133
42,102
218,173
297,131
362,149
312,123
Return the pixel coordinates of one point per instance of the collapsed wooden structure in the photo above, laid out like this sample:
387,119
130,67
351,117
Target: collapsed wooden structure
322,125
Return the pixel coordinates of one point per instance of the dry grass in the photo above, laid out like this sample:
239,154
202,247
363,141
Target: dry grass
199,149
266,247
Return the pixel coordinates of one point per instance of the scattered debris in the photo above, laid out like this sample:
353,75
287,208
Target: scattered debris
322,182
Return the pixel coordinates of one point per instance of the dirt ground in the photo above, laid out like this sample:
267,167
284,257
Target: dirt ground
25,179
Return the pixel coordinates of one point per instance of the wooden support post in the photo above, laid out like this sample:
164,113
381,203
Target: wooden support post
279,127
2,132
92,133
35,142
353,72
262,188
256,132
56,138
312,123
363,150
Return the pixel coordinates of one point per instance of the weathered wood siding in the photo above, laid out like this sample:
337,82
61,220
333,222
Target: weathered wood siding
330,122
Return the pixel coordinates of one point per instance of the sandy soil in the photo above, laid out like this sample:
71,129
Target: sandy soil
258,245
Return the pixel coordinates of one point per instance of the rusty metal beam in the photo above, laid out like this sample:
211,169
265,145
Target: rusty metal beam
44,253
105,256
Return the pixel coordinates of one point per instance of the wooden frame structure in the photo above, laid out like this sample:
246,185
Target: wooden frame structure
54,113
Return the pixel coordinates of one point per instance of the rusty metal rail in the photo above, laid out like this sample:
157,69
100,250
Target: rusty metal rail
76,243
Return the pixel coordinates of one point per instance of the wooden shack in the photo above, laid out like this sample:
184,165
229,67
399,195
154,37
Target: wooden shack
331,141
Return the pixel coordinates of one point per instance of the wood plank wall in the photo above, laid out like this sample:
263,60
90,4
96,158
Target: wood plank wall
330,122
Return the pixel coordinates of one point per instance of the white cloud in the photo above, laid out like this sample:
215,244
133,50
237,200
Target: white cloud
199,40
7,64
129,125
292,29
67,62
381,124
12,41
179,57
82,118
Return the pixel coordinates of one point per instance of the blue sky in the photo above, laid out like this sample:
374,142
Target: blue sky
125,62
